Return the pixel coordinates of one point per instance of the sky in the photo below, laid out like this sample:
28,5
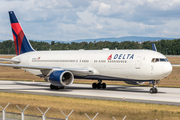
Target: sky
67,20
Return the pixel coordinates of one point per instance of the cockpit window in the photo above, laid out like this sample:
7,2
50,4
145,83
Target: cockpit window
159,60
153,60
162,60
166,60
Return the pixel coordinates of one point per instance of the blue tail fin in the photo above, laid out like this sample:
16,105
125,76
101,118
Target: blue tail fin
154,47
21,43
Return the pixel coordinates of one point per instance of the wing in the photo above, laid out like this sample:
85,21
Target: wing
9,60
47,70
175,65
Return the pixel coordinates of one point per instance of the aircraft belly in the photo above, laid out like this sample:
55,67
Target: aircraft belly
34,72
105,77
119,72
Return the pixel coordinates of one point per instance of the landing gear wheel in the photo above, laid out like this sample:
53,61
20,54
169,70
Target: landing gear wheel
103,86
98,86
52,87
56,88
94,86
61,87
153,90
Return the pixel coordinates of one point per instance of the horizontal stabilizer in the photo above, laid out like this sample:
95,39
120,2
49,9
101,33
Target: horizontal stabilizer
175,65
26,66
9,60
46,69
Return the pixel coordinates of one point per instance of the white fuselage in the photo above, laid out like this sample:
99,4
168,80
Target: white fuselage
122,65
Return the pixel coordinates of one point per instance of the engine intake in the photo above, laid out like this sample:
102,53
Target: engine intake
61,78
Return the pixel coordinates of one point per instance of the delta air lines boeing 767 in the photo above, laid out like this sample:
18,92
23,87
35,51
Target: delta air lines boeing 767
61,67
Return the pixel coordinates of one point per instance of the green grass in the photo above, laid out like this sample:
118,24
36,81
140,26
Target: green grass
105,108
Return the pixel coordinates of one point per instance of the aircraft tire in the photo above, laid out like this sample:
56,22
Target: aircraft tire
52,87
153,90
103,85
94,86
56,88
61,87
99,86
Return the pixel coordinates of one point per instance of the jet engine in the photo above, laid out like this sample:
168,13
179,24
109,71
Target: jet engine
134,82
61,78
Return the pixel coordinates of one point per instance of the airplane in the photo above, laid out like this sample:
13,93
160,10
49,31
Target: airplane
60,68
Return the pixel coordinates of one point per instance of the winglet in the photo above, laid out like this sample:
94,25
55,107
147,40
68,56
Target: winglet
21,43
154,47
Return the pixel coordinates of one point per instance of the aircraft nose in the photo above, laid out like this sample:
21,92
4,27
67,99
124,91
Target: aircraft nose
167,68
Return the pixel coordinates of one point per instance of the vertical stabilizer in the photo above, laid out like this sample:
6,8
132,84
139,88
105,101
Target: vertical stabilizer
21,43
154,47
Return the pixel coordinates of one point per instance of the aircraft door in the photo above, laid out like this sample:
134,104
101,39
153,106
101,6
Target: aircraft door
152,69
152,66
138,62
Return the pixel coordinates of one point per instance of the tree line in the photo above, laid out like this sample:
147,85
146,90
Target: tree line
169,47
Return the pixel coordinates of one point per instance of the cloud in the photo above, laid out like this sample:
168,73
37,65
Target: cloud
150,11
103,9
99,26
84,19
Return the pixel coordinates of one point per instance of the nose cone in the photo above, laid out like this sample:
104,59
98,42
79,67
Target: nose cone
167,68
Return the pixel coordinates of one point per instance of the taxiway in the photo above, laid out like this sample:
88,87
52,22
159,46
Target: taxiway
170,96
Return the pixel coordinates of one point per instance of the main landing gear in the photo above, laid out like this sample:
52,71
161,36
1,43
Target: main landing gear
99,85
52,87
154,88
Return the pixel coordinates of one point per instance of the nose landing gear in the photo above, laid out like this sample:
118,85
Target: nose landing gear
154,88
99,85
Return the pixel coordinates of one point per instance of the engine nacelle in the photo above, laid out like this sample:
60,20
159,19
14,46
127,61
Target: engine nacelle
61,78
134,82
